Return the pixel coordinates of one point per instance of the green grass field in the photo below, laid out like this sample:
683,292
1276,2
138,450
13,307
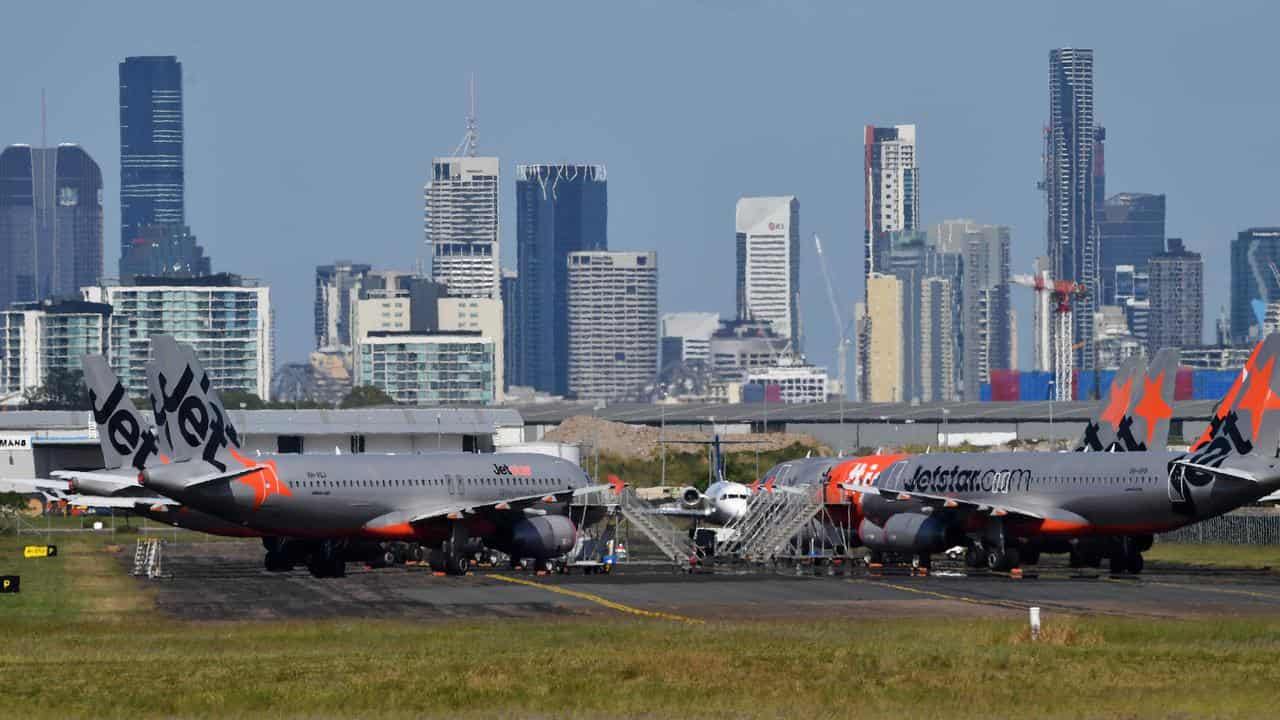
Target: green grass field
1246,556
82,640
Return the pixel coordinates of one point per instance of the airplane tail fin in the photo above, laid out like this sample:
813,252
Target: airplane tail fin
1146,422
190,417
1243,423
122,431
1100,434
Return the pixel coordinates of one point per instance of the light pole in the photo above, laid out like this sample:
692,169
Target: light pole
946,436
662,441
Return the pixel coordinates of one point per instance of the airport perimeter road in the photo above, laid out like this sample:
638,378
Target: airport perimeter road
225,581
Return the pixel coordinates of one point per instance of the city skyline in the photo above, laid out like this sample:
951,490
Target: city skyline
240,207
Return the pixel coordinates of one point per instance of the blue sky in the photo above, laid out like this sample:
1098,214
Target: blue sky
310,131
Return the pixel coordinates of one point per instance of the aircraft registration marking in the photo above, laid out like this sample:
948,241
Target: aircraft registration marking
599,600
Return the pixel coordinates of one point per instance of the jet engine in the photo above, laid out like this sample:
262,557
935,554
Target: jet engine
691,497
908,533
543,537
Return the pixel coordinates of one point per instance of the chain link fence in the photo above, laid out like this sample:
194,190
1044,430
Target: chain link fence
1247,526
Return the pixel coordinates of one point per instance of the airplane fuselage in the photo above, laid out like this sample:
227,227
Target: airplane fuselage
351,496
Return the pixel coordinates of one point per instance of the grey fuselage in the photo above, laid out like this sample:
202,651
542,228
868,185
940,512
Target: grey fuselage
359,496
1079,493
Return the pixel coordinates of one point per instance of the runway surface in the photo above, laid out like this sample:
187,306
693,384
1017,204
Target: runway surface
225,581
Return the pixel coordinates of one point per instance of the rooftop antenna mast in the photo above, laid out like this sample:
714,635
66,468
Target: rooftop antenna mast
471,139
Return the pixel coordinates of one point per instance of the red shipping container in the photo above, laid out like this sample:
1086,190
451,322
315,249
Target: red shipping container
1005,385
1184,388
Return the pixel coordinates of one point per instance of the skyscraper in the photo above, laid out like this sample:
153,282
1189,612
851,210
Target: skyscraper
892,200
986,323
1254,252
613,323
337,286
560,209
768,249
1130,232
462,225
50,222
883,374
510,284
1069,183
1177,299
151,168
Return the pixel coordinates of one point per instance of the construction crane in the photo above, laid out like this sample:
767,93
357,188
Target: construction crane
1058,294
842,329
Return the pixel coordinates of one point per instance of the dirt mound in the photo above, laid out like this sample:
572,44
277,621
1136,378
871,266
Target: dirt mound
642,442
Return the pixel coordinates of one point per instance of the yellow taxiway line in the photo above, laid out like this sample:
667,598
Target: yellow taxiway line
604,602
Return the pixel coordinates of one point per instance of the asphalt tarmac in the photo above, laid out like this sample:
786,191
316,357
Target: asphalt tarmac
225,581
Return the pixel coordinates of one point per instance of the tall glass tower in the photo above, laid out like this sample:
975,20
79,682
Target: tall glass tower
151,174
1070,183
50,222
561,209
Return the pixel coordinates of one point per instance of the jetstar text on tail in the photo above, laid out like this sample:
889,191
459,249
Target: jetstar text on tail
957,479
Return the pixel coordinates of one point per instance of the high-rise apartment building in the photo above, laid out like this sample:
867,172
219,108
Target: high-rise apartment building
892,200
337,285
50,222
151,142
38,338
938,348
226,319
428,368
477,315
1177,299
768,250
1252,254
1130,232
883,375
613,323
462,225
986,313
1070,186
560,209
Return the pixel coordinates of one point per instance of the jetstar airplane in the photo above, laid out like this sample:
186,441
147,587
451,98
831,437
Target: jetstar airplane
128,446
1111,429
1009,507
312,508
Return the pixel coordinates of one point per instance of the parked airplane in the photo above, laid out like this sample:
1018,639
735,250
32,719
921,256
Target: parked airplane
724,500
313,507
128,446
1009,507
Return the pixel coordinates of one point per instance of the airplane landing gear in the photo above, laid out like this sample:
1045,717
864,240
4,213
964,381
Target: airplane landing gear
276,561
454,551
327,561
1128,558
1002,560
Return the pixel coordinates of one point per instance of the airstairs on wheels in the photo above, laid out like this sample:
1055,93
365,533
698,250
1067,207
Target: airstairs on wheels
772,519
148,558
672,541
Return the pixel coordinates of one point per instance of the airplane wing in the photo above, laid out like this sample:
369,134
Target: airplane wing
1014,512
120,502
44,485
676,511
426,513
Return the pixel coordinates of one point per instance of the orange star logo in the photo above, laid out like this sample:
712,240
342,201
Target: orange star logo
1152,407
1119,402
265,480
1258,398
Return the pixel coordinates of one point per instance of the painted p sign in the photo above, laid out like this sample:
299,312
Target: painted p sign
9,583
